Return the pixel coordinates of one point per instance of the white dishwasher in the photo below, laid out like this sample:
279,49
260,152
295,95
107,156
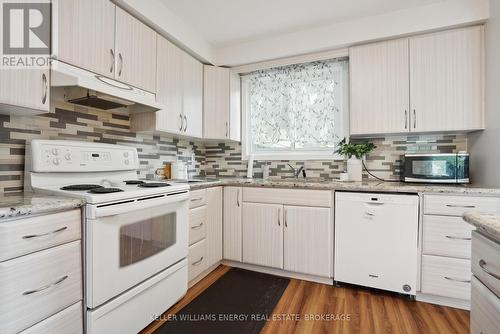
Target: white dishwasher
376,240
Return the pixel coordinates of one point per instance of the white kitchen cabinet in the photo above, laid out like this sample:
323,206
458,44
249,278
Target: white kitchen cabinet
135,52
308,243
179,88
192,105
214,225
86,34
216,90
379,82
235,107
263,234
232,228
376,240
446,80
24,91
428,83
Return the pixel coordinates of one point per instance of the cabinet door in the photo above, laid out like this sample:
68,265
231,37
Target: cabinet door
215,102
86,34
263,234
308,241
446,71
135,47
169,87
232,223
27,89
214,225
379,78
235,107
192,96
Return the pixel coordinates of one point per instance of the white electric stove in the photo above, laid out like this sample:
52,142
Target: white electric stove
135,231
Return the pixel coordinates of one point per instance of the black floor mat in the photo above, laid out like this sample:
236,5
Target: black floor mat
239,302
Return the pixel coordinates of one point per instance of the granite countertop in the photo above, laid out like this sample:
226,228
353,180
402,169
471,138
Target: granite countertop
371,186
486,223
24,204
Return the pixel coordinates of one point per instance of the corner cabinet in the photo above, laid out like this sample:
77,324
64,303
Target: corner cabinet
426,83
179,88
221,103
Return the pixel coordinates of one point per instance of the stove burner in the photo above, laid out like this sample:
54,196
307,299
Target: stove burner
153,184
81,187
105,190
133,182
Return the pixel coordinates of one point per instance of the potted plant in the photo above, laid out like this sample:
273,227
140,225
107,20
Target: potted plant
354,153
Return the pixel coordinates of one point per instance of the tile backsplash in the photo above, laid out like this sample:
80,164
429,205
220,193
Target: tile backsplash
71,122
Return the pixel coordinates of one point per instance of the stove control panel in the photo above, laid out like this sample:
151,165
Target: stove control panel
76,156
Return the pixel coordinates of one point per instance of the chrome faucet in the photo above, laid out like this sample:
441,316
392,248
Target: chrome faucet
296,172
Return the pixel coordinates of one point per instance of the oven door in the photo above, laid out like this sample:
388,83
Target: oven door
128,243
431,168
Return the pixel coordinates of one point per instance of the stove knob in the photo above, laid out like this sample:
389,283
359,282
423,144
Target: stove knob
55,151
67,156
125,154
126,162
56,161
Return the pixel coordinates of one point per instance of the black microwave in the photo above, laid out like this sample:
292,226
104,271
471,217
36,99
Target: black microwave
436,168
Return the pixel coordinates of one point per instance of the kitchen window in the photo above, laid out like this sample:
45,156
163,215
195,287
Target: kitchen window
296,111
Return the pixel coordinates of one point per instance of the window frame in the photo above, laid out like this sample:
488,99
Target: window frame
295,154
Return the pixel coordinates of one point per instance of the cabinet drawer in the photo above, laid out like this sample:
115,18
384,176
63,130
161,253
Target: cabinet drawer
447,236
197,198
446,276
197,224
36,286
457,205
321,198
486,261
197,259
68,321
27,235
484,309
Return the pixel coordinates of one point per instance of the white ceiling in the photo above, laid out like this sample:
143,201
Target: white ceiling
226,22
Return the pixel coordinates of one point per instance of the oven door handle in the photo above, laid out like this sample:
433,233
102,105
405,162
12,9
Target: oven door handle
126,206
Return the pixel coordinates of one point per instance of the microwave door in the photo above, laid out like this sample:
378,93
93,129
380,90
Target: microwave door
439,169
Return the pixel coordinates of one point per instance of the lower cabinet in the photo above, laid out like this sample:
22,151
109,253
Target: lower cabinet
263,234
308,240
232,223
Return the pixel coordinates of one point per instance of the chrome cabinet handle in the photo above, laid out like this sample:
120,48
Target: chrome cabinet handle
238,198
414,119
227,130
60,280
186,123
182,122
369,214
279,214
30,236
284,213
196,199
121,64
45,88
456,279
112,67
406,119
461,206
483,264
197,262
457,238
197,226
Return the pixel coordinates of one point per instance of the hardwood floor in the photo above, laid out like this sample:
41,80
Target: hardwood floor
351,310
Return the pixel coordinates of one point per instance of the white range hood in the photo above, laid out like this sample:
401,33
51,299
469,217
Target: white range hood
85,88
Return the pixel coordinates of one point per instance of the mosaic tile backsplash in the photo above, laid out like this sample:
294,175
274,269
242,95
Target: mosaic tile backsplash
224,159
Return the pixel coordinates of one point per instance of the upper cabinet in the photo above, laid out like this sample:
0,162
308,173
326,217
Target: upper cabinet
27,91
100,37
221,104
135,52
446,80
179,88
426,83
379,87
86,35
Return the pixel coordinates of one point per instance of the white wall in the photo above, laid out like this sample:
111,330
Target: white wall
398,23
484,146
